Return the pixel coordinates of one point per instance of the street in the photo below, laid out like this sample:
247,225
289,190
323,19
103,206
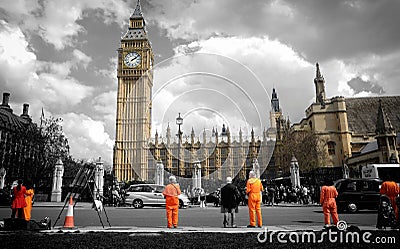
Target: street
193,216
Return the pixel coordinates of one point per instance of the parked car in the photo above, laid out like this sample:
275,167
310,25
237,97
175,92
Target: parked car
140,195
356,194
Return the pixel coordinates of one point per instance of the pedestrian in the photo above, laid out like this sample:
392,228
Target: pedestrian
254,188
202,198
116,197
305,195
391,190
312,194
328,202
271,195
18,202
171,193
230,198
29,200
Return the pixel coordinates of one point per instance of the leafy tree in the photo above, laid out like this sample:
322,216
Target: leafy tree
306,146
52,146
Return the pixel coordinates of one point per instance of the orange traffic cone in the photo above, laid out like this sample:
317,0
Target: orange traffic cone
69,218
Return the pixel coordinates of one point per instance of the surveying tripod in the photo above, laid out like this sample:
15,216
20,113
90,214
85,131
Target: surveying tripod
81,180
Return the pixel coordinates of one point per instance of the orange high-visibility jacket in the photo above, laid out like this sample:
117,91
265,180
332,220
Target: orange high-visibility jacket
253,189
327,192
28,199
390,189
171,193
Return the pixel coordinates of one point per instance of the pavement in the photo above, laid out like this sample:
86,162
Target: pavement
150,230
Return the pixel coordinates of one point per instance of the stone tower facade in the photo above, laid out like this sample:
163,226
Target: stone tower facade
386,137
319,82
133,120
327,118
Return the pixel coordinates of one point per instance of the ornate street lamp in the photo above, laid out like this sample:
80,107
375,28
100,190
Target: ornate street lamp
179,122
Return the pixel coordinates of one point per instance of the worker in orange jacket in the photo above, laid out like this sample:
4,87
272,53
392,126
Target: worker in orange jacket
328,201
254,188
171,193
28,199
391,190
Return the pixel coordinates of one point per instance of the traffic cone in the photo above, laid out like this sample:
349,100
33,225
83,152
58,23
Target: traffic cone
69,218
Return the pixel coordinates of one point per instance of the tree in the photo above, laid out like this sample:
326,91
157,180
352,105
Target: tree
306,146
52,145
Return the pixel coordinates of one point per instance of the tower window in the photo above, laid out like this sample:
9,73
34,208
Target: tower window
331,148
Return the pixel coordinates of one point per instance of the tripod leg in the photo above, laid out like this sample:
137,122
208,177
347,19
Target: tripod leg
91,193
108,221
59,215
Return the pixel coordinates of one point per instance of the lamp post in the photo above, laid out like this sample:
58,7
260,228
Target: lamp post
179,122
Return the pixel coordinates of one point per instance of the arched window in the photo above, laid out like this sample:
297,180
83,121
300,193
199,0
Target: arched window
331,148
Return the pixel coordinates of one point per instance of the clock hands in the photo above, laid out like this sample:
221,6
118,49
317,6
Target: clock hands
134,58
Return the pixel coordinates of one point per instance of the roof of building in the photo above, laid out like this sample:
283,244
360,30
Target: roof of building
362,113
12,122
138,33
373,146
138,11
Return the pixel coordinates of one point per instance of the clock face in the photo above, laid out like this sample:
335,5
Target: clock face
132,59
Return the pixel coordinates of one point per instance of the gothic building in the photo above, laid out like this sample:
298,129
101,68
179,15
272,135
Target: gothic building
220,155
18,153
385,147
347,126
135,157
135,82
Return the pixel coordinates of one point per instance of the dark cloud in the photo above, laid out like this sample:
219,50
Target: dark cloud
320,30
347,28
360,85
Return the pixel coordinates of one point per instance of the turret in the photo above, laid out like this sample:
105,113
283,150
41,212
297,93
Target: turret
319,82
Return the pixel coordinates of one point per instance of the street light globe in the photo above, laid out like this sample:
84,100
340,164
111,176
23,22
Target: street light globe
179,120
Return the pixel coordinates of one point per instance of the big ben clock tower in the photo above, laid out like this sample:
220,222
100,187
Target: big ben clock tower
135,82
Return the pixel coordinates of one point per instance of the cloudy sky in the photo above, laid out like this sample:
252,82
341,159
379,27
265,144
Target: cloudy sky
215,61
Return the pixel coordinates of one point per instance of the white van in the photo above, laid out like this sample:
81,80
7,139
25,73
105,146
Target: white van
380,171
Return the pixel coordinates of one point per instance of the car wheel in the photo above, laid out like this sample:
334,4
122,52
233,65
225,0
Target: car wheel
137,203
352,207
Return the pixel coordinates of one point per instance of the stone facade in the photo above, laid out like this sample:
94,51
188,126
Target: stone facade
17,152
219,155
135,82
347,126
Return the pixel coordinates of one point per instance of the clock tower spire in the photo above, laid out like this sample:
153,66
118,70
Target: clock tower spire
135,83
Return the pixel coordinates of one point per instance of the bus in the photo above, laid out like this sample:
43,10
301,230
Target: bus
381,171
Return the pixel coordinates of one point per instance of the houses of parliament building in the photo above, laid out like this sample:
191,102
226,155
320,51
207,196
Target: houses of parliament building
135,154
352,131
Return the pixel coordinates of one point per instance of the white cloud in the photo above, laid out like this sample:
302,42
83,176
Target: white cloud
27,78
110,72
231,78
81,58
87,137
105,103
65,92
13,46
57,22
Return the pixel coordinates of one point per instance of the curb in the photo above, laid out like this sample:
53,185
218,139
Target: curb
150,230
